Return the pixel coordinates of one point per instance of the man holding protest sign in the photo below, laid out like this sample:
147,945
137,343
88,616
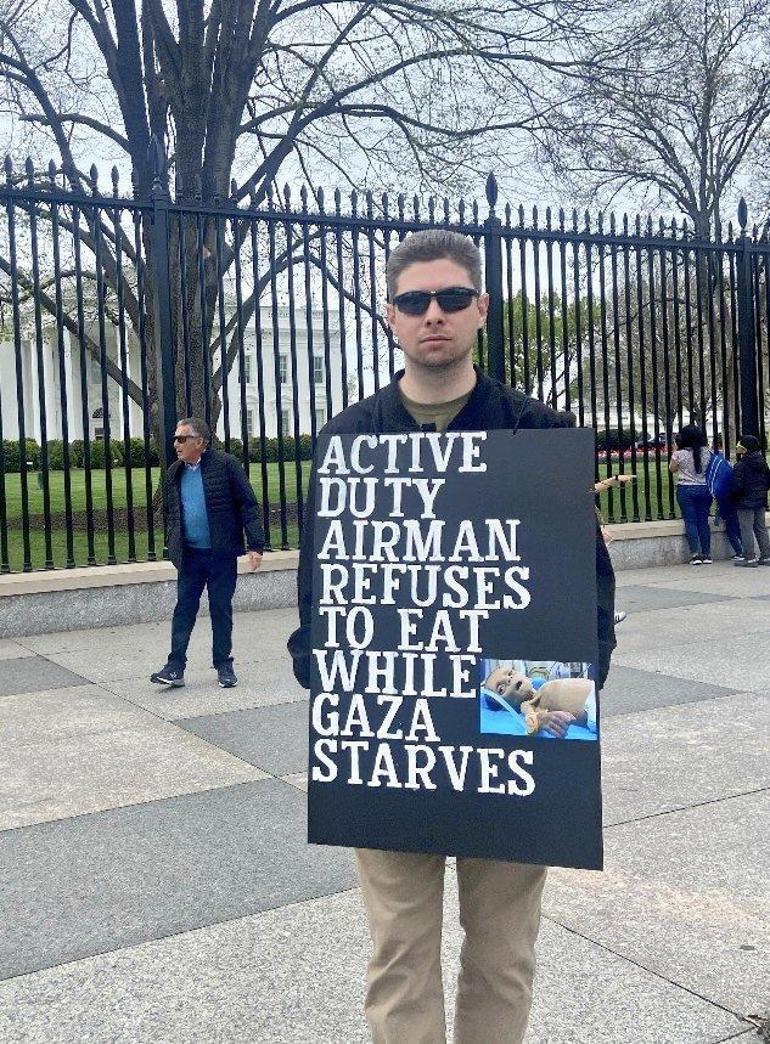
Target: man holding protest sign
436,309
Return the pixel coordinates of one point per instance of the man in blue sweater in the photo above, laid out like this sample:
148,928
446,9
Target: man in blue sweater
209,505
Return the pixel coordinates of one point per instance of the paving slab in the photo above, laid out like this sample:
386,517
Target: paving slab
684,895
635,598
251,631
98,883
35,674
687,624
630,690
737,662
683,756
11,650
274,738
260,683
721,578
296,976
73,751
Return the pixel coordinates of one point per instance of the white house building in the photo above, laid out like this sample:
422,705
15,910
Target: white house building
279,382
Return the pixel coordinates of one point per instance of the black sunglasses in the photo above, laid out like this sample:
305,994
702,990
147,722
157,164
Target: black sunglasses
184,438
452,299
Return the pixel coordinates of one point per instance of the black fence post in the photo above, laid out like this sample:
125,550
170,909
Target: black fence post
493,271
164,333
747,344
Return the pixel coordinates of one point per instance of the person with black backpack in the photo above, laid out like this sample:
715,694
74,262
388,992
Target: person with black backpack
751,481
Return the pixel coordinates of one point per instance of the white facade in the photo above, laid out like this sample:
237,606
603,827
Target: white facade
278,382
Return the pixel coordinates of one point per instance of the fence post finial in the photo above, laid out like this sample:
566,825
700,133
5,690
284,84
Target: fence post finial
743,214
159,166
492,191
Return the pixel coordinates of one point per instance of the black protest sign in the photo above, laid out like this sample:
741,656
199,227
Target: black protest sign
453,702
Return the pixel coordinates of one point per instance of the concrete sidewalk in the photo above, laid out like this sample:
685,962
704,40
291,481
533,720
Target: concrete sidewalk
156,885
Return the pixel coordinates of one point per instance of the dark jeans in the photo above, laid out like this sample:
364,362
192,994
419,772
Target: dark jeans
202,568
695,502
729,515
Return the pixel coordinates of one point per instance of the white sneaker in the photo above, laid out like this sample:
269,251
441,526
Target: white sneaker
620,616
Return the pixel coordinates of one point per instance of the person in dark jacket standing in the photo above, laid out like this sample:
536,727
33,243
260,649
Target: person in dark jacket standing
209,505
751,481
436,310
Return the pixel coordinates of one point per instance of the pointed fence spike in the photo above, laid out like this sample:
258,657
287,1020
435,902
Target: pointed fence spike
29,169
8,167
93,175
115,176
320,198
178,185
612,223
521,215
548,217
743,214
491,190
337,200
51,171
233,188
447,210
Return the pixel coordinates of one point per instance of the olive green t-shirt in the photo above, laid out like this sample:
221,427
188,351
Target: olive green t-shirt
439,413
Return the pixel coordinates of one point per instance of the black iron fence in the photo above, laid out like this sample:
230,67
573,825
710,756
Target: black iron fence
117,316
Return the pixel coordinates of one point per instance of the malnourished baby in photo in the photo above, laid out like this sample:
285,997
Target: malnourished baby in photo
553,705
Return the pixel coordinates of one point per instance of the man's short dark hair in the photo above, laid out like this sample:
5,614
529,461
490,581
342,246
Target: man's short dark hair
434,244
199,427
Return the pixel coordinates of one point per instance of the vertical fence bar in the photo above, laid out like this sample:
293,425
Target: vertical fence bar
63,376
243,370
565,346
257,280
141,298
19,365
653,328
617,366
629,334
577,291
642,367
493,275
40,371
86,356
164,336
747,347
551,311
664,327
123,356
524,304
278,374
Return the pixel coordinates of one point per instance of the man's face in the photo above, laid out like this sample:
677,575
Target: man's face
437,339
188,445
513,686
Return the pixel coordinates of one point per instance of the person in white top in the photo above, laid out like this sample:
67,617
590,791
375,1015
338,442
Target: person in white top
689,462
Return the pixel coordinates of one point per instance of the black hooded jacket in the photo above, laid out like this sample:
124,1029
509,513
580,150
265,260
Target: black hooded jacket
492,406
751,480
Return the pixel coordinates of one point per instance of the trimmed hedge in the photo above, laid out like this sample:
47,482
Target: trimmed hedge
136,454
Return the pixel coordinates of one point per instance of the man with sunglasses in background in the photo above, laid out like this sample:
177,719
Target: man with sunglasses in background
209,504
436,308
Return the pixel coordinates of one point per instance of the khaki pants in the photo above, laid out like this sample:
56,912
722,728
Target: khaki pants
500,914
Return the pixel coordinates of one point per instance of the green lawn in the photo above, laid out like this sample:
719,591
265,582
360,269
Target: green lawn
119,478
